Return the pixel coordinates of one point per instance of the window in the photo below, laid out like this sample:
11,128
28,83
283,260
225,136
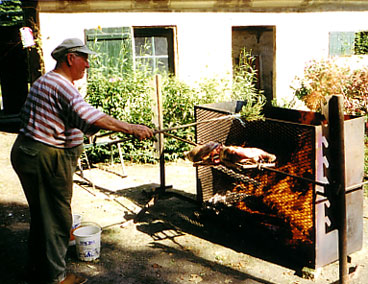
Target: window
348,43
153,48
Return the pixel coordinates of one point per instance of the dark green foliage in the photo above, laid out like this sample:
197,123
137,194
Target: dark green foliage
11,13
179,100
243,88
126,98
361,43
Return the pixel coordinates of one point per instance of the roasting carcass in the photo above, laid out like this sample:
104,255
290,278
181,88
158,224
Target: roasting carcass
213,153
208,153
237,154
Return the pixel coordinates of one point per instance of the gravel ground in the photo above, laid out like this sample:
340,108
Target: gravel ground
169,244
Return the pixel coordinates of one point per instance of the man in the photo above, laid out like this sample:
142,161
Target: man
54,119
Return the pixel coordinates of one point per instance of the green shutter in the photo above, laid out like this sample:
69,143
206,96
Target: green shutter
114,48
341,43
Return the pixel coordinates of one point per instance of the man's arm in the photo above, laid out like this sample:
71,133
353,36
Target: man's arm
109,123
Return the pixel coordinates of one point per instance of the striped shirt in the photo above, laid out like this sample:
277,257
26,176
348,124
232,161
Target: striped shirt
56,114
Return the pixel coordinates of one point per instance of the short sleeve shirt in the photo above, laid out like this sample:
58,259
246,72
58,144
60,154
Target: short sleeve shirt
56,114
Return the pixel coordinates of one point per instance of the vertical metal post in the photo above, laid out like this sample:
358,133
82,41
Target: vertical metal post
337,168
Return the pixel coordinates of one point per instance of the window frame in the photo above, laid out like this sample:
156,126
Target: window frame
159,31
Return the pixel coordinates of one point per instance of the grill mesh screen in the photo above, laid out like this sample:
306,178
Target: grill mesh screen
279,202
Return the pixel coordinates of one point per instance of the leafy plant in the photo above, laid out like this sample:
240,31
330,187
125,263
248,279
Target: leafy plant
325,77
361,43
244,89
179,101
126,95
11,13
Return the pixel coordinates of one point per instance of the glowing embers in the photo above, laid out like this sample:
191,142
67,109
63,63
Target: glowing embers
293,208
283,197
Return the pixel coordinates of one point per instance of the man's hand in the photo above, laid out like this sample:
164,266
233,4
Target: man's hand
141,131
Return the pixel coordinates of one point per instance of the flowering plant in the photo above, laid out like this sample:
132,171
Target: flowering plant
326,77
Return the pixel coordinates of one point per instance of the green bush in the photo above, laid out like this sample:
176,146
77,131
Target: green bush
179,100
243,87
128,96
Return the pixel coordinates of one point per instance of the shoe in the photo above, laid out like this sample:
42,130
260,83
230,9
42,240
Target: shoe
74,279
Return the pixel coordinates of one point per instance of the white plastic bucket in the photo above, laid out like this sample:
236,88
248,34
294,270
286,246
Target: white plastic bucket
88,241
77,220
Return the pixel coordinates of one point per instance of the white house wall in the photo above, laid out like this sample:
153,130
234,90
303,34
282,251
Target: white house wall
204,39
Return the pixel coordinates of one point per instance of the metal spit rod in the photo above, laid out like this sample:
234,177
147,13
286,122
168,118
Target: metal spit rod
294,176
196,123
159,131
195,144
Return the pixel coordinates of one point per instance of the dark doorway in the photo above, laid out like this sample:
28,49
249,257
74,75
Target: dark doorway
260,42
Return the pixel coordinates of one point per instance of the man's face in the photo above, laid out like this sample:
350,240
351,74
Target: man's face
78,64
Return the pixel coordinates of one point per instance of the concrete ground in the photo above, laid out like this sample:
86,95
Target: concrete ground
171,243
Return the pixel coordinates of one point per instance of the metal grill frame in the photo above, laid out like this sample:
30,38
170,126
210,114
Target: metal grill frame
323,248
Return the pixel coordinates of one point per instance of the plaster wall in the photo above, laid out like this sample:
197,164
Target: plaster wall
204,40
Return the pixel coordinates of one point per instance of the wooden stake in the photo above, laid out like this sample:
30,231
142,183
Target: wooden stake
160,136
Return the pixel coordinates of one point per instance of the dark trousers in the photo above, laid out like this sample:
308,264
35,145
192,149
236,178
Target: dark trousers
46,175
